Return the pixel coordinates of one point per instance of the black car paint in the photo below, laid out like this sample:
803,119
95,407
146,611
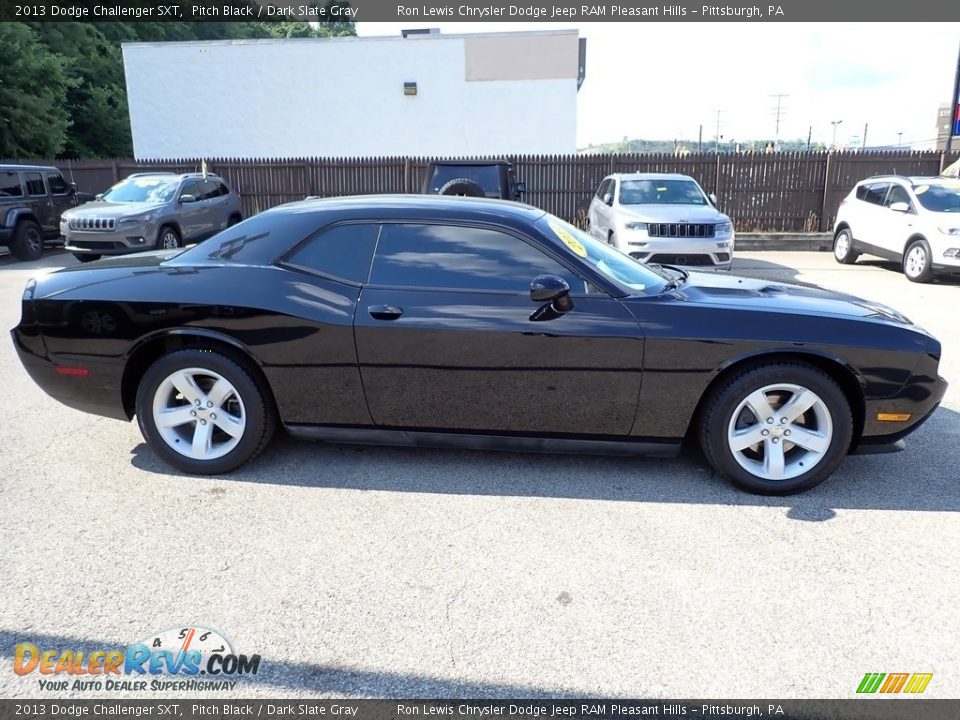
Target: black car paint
621,366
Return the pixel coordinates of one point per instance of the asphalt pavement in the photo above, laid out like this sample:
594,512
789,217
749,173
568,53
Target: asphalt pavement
428,573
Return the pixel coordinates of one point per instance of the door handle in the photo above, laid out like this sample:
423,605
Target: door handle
384,312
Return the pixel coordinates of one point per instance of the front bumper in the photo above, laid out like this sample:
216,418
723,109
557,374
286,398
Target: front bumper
688,252
920,397
121,241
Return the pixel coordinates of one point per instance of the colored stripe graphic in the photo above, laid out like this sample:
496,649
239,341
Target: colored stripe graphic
894,683
918,683
870,682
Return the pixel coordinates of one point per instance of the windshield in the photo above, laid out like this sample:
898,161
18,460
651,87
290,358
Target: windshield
142,189
610,262
661,192
938,198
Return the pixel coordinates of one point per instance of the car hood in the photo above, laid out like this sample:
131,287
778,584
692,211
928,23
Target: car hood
105,209
672,213
723,290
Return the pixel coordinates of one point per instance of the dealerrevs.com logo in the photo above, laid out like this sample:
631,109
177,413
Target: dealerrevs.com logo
183,658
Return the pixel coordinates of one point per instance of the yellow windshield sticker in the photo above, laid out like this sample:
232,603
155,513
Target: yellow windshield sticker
569,240
921,190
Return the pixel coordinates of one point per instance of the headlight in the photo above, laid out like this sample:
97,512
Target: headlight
635,226
950,230
134,219
723,228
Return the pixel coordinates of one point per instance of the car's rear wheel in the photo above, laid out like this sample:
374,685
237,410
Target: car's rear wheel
777,428
27,243
168,238
233,220
202,412
843,251
85,257
917,263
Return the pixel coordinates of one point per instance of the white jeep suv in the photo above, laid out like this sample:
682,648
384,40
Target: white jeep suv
661,218
914,221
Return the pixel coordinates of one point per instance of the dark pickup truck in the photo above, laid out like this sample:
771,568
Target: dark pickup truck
32,198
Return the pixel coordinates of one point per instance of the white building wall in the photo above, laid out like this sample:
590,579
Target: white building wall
341,97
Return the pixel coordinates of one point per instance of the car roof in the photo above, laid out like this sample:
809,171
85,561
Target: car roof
439,205
913,179
167,174
9,168
650,176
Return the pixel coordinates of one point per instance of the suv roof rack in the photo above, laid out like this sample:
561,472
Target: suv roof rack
158,172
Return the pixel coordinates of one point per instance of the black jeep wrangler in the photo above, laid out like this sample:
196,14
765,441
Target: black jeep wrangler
492,179
32,199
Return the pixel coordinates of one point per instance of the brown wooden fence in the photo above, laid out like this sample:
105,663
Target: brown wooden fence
780,192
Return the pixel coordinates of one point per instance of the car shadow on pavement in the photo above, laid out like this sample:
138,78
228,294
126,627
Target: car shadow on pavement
314,679
766,270
922,478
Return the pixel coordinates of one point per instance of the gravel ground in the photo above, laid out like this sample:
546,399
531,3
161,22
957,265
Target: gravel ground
394,572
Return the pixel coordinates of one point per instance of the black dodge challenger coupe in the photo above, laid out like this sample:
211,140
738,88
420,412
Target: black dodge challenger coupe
475,323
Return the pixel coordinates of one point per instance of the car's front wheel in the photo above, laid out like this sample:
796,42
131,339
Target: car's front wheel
86,257
776,429
202,412
168,238
843,251
917,263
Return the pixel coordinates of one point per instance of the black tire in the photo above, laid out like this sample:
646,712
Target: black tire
725,400
843,251
27,243
164,236
234,219
611,239
257,410
922,271
85,257
463,187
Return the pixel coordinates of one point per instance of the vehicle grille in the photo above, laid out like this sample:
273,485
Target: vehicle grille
681,230
91,223
669,259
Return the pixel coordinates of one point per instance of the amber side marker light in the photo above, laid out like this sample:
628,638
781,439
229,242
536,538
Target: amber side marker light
75,371
893,417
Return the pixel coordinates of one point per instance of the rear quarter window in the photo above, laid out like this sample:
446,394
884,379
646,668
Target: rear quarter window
342,252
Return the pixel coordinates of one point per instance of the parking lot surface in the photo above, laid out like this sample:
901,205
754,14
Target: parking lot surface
413,573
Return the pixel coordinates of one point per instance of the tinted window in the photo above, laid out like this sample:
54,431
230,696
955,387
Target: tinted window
224,190
10,185
34,184
486,176
873,193
341,252
466,258
897,193
604,188
208,189
58,186
191,187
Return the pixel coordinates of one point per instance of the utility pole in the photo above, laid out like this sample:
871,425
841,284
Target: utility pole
864,146
899,136
809,135
719,112
700,140
778,111
954,120
833,143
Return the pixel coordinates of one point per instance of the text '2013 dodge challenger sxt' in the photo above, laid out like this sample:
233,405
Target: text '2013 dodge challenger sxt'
473,323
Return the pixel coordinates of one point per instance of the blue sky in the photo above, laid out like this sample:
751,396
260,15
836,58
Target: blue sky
662,80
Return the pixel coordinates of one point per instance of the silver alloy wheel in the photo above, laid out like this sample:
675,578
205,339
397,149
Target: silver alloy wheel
842,246
916,261
169,241
199,413
780,431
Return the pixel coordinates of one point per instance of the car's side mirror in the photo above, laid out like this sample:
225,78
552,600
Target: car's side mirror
901,207
520,187
188,198
608,199
712,197
553,290
73,188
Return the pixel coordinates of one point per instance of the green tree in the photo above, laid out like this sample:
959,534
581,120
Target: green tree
33,91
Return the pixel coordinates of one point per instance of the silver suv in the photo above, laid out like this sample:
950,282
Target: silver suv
148,211
661,218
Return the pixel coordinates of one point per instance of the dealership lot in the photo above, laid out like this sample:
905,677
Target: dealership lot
401,572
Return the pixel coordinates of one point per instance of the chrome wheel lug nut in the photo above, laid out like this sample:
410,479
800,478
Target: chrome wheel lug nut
776,440
209,404
783,421
769,420
765,432
196,402
213,416
786,432
203,422
193,413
